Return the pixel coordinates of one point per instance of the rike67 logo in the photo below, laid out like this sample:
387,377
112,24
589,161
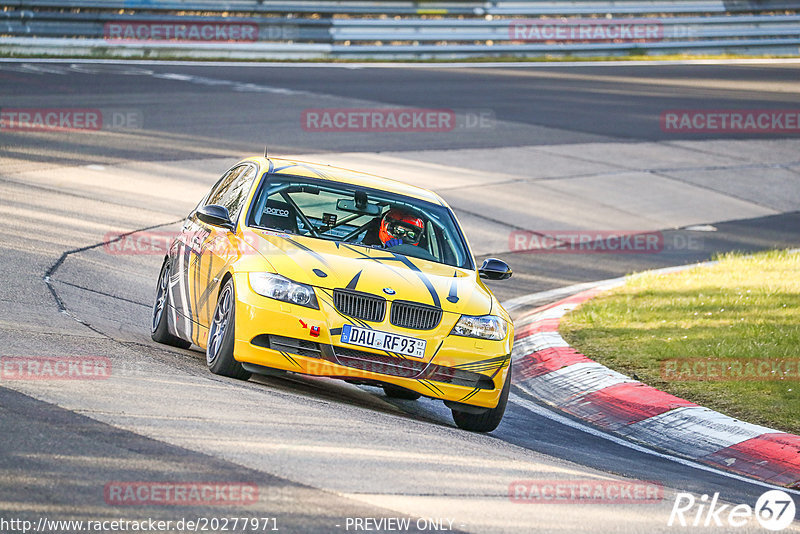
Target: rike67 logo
774,510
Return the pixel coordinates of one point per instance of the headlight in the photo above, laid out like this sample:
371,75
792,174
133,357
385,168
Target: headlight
483,327
279,287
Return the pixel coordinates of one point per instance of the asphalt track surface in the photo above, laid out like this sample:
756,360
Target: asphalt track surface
323,451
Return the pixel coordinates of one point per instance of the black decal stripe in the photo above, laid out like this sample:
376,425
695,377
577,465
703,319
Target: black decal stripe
314,170
198,289
354,282
187,293
292,360
312,252
479,370
205,297
381,260
426,385
491,362
469,395
505,365
190,291
453,296
207,282
364,256
487,363
408,263
431,387
279,169
425,280
329,301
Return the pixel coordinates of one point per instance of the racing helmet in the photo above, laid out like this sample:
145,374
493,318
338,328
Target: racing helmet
399,224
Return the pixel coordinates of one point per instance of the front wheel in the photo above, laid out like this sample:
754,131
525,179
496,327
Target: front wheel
159,329
219,350
488,420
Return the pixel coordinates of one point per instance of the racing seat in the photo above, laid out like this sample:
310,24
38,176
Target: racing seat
280,216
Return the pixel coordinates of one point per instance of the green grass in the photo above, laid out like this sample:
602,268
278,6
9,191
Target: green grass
744,308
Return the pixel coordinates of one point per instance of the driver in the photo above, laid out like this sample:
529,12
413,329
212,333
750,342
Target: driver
398,227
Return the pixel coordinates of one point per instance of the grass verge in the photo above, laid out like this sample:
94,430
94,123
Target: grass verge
703,335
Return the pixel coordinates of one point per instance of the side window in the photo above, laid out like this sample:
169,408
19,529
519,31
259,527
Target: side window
222,185
231,191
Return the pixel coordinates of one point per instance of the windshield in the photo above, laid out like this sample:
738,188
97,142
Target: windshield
341,212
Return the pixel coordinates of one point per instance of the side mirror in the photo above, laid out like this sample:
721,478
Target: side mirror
216,215
494,269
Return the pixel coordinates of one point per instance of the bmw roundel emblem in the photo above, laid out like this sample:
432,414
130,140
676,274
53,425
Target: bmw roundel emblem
389,291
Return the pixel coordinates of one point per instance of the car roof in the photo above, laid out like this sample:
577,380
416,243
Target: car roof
338,174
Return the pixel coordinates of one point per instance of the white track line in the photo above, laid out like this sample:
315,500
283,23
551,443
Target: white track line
563,420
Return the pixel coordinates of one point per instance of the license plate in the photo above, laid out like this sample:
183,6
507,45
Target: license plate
364,337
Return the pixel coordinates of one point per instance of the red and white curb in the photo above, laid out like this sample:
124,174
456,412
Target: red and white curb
547,368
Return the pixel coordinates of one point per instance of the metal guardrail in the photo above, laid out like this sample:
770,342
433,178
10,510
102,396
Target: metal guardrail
55,24
93,25
500,30
489,30
394,7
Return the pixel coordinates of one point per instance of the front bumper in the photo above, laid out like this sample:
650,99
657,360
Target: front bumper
279,335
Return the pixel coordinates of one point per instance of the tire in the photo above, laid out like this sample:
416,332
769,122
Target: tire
488,420
395,392
159,327
219,349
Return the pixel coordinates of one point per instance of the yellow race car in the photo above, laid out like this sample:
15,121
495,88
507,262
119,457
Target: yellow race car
292,266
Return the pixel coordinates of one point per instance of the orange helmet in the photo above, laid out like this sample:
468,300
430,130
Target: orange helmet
398,224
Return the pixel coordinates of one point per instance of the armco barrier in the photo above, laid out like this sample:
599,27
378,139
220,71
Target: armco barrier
388,30
391,7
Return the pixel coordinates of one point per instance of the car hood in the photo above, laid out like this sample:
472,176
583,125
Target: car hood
331,265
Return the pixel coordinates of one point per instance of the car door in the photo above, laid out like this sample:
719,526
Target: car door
184,254
217,247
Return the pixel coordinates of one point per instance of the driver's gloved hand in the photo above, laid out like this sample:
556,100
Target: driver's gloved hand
393,243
